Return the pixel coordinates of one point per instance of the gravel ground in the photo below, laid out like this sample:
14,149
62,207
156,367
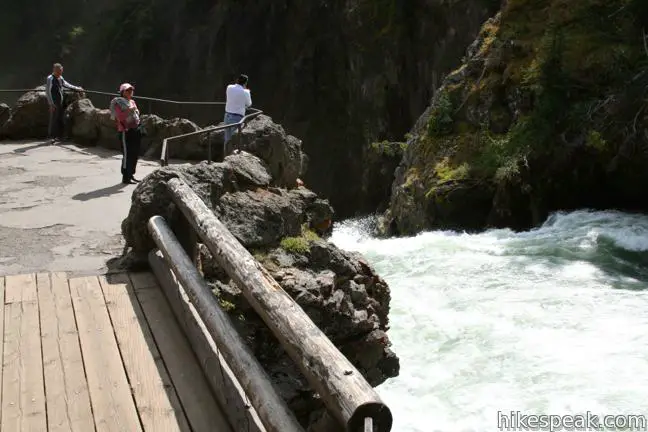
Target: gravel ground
61,207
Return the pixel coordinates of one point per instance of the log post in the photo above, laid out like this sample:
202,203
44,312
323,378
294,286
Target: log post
273,411
345,392
209,148
239,136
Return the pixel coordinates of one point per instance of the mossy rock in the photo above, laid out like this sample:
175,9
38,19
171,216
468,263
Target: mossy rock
299,245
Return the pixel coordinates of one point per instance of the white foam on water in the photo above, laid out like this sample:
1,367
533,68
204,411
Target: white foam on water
550,321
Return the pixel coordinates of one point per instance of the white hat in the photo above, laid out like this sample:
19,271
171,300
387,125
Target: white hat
125,86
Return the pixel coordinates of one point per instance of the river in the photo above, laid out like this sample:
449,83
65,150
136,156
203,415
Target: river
549,321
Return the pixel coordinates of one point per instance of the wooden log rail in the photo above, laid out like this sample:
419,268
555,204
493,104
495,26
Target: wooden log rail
345,392
272,410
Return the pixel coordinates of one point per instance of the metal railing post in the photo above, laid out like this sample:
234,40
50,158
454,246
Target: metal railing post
209,148
240,136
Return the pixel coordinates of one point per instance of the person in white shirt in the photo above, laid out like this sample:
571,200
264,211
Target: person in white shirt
238,99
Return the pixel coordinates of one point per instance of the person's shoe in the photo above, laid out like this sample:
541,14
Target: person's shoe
127,181
135,180
54,141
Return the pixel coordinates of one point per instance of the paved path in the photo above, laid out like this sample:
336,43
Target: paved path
61,207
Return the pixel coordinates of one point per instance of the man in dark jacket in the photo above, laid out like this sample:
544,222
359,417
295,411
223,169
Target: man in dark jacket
54,91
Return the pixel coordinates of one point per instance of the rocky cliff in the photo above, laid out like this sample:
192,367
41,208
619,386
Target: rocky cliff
285,229
339,74
548,111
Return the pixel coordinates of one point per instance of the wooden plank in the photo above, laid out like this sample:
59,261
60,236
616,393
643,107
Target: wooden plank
227,389
66,388
203,412
272,409
112,402
21,289
2,311
155,397
342,388
23,401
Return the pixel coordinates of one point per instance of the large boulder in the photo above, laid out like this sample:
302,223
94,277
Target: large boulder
91,126
157,129
261,137
30,116
285,230
281,151
241,191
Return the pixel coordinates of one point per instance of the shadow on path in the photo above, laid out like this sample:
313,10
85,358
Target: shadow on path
31,147
99,193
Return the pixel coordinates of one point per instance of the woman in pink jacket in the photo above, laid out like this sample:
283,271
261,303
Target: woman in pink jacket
125,113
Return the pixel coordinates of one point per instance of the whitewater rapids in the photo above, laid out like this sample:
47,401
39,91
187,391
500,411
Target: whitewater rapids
549,321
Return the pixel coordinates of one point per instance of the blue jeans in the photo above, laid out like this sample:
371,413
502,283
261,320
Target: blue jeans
229,119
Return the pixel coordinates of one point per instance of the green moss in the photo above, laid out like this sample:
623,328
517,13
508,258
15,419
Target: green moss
310,235
553,71
596,141
389,148
433,194
445,172
226,306
301,244
411,177
297,245
440,121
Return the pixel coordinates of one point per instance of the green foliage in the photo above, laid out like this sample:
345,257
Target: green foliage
76,32
596,140
388,148
301,244
309,234
555,71
440,122
502,155
445,172
226,305
297,245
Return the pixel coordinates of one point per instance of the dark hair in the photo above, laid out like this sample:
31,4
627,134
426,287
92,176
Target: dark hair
242,79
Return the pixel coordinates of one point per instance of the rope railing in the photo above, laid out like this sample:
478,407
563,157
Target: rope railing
103,93
164,155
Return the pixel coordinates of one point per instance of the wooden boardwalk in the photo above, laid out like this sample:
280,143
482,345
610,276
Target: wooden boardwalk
97,354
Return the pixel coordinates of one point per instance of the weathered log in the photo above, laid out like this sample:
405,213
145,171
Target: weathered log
227,389
345,392
273,411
